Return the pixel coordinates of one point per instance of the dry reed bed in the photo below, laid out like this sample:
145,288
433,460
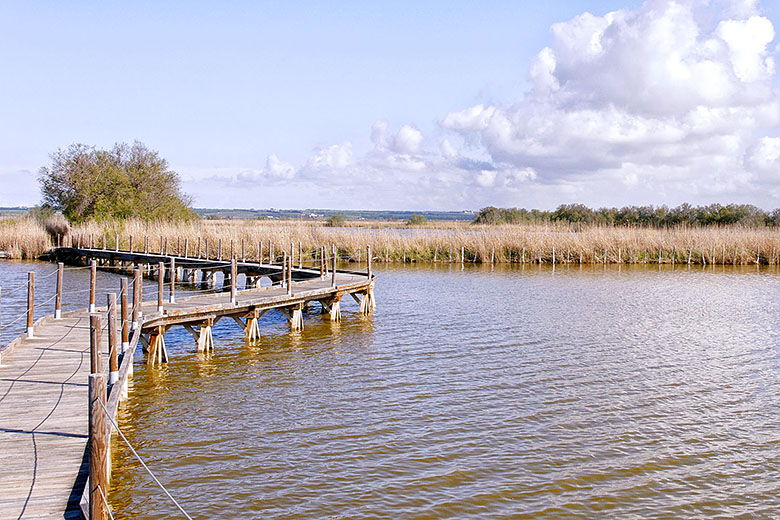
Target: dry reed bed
450,243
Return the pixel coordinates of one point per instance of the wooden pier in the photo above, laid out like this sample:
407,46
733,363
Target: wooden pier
54,406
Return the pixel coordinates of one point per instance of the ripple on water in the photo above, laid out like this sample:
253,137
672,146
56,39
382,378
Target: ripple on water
522,393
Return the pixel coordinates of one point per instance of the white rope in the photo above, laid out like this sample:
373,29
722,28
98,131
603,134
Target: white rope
135,453
108,508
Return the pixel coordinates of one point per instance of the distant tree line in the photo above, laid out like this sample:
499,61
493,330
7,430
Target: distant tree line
640,216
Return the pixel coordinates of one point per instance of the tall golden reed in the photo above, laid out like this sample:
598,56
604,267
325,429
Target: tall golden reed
25,238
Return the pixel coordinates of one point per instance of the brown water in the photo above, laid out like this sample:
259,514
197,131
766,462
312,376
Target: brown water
507,393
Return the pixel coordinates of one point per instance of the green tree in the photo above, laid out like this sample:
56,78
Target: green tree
336,220
417,220
128,181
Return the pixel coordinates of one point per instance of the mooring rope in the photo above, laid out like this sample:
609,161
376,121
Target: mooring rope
135,453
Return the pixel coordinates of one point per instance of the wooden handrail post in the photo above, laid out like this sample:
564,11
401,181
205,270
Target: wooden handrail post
271,256
58,295
146,244
219,249
124,314
172,278
300,255
289,274
165,246
116,242
113,340
92,284
233,279
160,285
186,247
322,262
333,272
98,448
259,251
59,240
206,247
95,331
368,256
284,268
199,255
137,297
30,304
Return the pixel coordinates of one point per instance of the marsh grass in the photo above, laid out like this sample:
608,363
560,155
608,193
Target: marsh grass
441,242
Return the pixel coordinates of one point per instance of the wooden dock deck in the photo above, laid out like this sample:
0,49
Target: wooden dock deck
44,379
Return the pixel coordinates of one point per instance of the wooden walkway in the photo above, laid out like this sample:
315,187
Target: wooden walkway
44,380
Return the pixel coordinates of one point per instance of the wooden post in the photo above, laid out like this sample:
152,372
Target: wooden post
219,249
259,251
146,244
206,247
322,262
116,242
172,277
462,255
113,340
160,285
300,255
30,304
271,257
333,272
92,284
95,331
124,314
243,250
288,274
232,251
199,255
98,448
58,297
136,297
233,278
368,256
186,247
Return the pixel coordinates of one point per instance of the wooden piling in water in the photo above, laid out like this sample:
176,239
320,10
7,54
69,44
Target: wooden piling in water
172,277
368,257
113,340
124,314
95,331
58,294
160,285
137,288
99,438
233,279
30,304
333,272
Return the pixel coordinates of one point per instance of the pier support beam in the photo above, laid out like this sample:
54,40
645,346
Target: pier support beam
294,315
333,308
157,353
202,335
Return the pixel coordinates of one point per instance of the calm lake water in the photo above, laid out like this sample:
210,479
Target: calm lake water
477,393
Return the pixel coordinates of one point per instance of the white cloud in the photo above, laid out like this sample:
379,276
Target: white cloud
662,104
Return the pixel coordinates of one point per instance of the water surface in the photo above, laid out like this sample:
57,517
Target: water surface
509,393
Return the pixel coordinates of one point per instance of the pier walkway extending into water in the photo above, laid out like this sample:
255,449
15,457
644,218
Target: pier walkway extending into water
57,406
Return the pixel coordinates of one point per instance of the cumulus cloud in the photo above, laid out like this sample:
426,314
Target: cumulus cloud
669,102
645,98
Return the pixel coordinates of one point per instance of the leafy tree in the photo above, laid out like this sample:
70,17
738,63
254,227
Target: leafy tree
336,220
127,181
417,220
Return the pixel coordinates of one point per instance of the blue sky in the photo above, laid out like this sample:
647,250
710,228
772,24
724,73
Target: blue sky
377,105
